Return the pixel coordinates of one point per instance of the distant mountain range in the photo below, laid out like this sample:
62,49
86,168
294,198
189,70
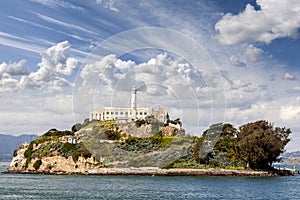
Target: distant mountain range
291,157
9,143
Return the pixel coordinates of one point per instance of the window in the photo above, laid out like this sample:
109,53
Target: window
121,113
107,113
111,113
126,113
141,113
116,113
145,113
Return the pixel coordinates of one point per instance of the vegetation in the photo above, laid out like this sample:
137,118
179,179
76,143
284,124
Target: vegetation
15,152
259,143
176,121
37,164
145,145
255,145
50,144
140,122
74,150
112,135
76,127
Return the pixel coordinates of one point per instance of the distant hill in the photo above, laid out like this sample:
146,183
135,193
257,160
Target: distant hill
9,143
291,157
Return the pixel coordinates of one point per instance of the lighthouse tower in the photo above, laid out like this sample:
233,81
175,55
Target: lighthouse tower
133,103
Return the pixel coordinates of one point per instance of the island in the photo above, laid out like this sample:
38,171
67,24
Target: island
149,147
134,141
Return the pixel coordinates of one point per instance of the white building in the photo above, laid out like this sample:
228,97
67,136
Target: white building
122,113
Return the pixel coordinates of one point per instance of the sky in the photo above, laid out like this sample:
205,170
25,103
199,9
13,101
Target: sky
205,61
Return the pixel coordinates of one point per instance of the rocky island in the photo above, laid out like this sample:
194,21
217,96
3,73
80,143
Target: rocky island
150,147
133,141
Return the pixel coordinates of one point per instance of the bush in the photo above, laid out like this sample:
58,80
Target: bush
74,150
15,152
140,122
112,135
37,164
76,127
68,147
28,152
54,132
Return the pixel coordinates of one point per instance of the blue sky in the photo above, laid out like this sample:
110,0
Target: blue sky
53,69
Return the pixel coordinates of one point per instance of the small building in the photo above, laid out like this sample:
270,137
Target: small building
72,140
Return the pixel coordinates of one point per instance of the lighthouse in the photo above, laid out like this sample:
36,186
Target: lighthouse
133,103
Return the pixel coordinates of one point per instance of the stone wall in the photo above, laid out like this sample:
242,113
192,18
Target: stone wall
130,128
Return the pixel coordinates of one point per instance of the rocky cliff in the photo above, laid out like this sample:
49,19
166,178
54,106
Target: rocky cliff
98,144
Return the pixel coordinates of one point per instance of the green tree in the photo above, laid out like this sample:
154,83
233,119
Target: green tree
259,143
76,127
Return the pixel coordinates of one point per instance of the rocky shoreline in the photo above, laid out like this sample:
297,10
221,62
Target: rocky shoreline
161,172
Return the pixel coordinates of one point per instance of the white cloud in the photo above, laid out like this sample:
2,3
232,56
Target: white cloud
290,112
65,24
55,62
164,80
55,66
276,19
8,84
23,44
253,53
288,76
35,113
14,69
236,62
58,4
109,4
295,89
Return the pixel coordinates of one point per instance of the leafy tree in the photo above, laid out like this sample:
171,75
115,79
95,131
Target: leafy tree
259,143
76,127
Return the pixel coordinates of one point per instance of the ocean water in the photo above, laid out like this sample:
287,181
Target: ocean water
26,186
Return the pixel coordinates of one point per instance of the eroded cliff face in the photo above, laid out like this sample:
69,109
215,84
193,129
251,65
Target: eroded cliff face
51,164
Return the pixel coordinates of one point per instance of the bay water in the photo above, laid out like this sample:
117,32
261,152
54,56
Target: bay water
33,186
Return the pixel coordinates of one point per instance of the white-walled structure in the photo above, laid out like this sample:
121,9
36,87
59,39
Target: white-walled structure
119,113
122,113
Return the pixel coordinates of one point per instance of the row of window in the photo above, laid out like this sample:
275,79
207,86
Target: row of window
117,113
126,113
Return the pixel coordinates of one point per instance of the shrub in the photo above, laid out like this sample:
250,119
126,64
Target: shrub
15,152
140,122
49,166
68,147
37,164
28,152
112,135
54,132
76,127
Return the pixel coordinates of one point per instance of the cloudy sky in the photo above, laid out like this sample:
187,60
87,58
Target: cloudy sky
206,61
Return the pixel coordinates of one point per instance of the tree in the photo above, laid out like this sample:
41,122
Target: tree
259,143
76,127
